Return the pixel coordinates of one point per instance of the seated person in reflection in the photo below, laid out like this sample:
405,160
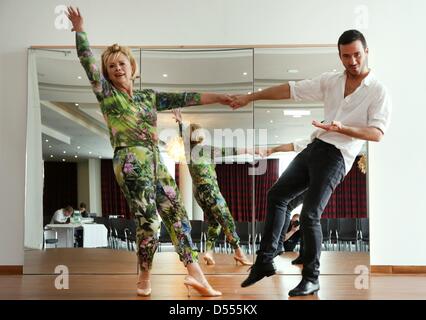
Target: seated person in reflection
62,215
83,211
292,236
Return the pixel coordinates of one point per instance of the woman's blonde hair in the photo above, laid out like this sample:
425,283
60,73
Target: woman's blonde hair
113,51
194,138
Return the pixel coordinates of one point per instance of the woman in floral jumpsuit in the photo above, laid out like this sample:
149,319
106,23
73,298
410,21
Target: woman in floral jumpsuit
131,116
207,192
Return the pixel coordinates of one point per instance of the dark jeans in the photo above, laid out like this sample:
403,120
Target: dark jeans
315,173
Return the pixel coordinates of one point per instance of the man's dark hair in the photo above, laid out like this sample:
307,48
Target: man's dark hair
83,205
351,36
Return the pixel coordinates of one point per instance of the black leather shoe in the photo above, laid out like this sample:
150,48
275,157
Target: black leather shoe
304,288
258,272
298,260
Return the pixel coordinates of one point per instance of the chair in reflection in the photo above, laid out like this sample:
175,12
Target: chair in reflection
118,227
347,233
130,232
260,225
364,233
50,237
244,232
197,233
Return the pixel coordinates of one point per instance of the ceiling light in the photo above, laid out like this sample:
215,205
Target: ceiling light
51,155
65,151
165,75
63,160
297,113
76,157
78,147
76,104
47,140
90,152
268,111
244,73
50,146
100,157
276,136
260,89
292,71
79,77
271,121
249,92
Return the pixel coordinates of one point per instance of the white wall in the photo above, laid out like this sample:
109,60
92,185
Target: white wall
83,183
95,186
397,48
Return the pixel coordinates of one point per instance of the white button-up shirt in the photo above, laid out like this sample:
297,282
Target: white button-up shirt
368,106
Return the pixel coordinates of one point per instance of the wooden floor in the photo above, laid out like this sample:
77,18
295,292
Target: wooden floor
170,287
107,261
103,274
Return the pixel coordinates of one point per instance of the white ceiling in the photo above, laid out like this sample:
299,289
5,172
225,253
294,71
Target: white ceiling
228,71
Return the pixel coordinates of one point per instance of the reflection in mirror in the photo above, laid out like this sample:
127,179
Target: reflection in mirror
345,219
216,190
77,162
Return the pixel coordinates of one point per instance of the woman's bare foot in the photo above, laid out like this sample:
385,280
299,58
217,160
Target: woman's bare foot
144,284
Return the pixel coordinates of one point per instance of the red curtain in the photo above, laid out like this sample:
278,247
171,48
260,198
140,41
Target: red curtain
60,188
113,201
349,200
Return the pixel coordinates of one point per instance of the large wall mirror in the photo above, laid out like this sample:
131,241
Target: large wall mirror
69,160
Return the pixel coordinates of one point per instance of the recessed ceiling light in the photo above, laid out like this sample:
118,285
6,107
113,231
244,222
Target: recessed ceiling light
268,111
271,121
244,73
76,104
65,151
100,157
47,140
76,157
260,89
165,75
90,152
50,146
249,92
78,147
51,155
276,136
63,160
292,71
334,70
79,77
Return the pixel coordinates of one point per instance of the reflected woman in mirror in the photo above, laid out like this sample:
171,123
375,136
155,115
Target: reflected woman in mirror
131,117
207,192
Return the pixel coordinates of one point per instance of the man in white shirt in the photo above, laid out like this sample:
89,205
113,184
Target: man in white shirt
357,108
62,215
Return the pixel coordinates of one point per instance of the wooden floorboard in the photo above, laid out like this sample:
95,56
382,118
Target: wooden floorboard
170,287
103,274
106,261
